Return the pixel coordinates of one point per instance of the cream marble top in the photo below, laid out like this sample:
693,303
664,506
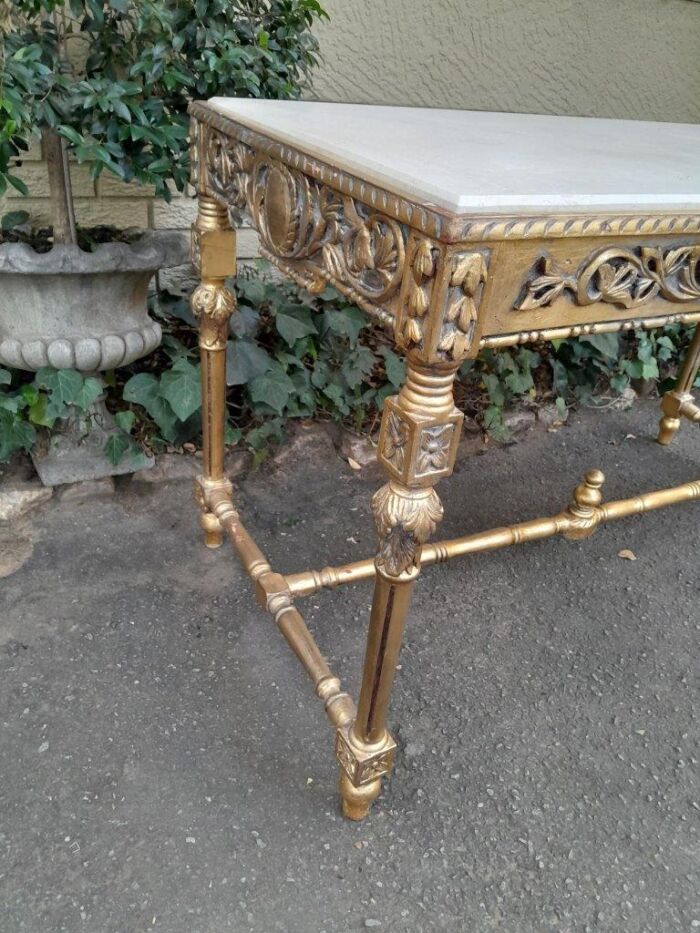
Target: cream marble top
491,163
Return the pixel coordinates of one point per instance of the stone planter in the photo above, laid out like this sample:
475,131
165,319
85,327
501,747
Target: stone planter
69,309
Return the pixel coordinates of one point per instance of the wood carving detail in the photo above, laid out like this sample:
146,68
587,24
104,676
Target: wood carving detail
405,519
301,220
434,453
398,437
624,277
441,320
467,281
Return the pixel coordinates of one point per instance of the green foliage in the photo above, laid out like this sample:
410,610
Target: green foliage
50,396
291,356
144,61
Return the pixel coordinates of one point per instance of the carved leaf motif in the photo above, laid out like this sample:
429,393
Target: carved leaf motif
616,283
644,289
384,251
469,272
404,522
689,279
417,301
435,445
333,261
545,288
412,331
423,262
363,249
398,551
675,258
622,277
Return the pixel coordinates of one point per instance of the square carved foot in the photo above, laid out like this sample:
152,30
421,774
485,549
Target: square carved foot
362,767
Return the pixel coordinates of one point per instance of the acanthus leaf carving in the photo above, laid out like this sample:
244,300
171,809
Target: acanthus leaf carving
405,519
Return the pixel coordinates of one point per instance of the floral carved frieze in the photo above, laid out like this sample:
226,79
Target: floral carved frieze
624,277
333,237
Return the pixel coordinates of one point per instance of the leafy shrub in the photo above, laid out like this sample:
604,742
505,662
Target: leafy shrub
293,356
143,61
51,395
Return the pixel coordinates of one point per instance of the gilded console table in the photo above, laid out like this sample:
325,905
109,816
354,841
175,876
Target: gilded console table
457,231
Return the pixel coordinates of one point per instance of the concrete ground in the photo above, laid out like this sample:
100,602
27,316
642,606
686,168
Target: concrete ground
164,764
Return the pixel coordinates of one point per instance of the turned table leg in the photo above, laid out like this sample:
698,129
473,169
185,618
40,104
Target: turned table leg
214,251
679,402
417,446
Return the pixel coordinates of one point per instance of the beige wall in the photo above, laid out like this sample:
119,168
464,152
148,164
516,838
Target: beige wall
635,59
614,58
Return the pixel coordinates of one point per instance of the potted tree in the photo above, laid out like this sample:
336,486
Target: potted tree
108,82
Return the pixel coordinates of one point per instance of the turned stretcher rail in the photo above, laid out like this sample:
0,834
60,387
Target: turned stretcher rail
339,706
566,523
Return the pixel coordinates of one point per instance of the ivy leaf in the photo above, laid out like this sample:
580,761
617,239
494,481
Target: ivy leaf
125,420
346,322
496,393
15,434
63,385
245,360
394,367
273,388
294,326
5,377
181,388
493,422
245,322
39,412
608,345
90,391
356,365
144,389
116,446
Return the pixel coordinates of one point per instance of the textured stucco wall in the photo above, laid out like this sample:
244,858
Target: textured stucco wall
638,59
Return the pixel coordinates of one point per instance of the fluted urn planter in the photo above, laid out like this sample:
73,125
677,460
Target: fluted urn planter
70,309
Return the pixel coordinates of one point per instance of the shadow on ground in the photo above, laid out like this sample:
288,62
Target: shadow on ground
165,766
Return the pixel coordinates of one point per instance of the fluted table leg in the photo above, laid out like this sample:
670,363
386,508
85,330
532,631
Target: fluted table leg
214,251
417,446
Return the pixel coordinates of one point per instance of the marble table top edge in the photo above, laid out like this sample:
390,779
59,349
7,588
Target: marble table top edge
516,215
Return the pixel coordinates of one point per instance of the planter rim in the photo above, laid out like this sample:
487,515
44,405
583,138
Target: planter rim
156,249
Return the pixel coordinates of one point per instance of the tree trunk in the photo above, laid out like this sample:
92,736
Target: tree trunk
60,187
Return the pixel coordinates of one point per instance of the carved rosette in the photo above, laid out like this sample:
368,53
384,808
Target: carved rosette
405,519
435,449
624,277
418,449
213,304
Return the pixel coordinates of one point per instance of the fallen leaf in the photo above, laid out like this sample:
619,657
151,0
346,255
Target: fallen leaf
353,464
626,554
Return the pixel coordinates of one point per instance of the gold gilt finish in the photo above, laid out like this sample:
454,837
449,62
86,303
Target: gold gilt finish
445,286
